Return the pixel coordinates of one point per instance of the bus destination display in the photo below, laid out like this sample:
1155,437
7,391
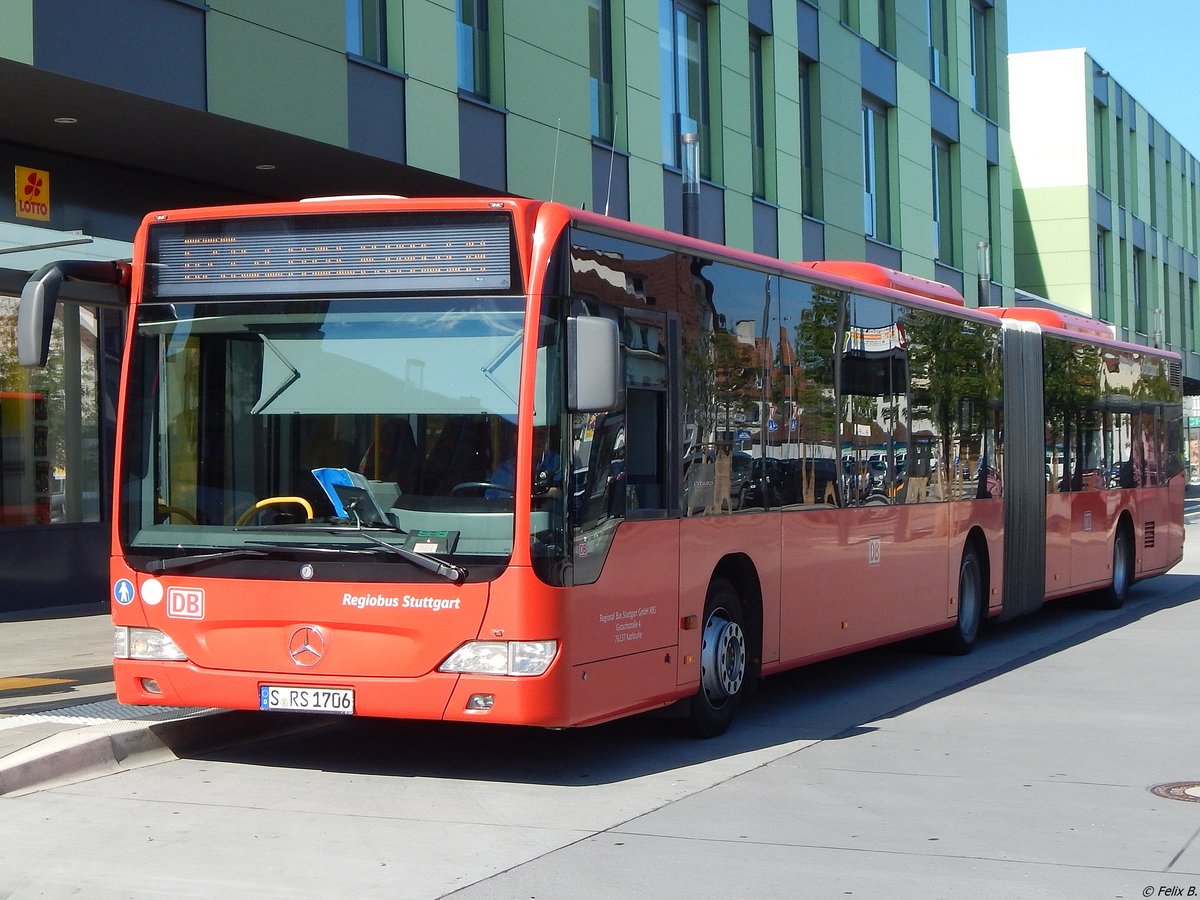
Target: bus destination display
318,254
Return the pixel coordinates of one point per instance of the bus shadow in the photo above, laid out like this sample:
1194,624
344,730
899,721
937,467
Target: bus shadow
832,700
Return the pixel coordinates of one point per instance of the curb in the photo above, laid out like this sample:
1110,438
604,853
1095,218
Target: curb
97,750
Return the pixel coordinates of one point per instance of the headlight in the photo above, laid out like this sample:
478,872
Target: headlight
501,658
144,643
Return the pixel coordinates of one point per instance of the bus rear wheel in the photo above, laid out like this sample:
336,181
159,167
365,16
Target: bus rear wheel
1113,596
959,639
723,662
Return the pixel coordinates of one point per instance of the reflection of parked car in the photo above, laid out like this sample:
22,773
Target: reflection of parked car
822,475
747,487
89,508
784,481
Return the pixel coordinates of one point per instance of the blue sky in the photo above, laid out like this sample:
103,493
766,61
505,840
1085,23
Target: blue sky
1151,47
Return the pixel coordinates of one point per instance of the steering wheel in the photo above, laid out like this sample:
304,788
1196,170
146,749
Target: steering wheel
274,501
482,486
165,512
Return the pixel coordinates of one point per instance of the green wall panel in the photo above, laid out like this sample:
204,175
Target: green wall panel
428,35
318,22
561,28
549,88
16,30
791,235
644,121
258,75
738,162
394,30
646,192
1052,203
548,164
432,127
739,220
912,36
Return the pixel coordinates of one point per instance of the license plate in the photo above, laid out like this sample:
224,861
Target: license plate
307,699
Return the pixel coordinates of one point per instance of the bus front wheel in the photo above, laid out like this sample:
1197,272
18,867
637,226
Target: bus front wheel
960,638
1113,596
723,662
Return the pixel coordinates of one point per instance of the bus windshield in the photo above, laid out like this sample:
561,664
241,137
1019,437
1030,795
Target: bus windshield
296,423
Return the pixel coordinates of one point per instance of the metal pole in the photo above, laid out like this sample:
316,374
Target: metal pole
983,248
691,183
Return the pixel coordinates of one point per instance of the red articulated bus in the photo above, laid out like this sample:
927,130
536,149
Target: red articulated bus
501,460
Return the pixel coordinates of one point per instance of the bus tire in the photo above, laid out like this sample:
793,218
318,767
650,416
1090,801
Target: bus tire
960,638
724,662
1113,596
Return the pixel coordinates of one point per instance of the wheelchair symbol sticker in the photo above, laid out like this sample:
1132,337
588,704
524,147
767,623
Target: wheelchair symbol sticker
123,591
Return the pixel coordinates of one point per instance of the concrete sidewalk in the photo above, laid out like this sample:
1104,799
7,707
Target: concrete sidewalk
58,713
60,721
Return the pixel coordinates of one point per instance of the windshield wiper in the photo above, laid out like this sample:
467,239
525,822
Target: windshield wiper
446,570
433,564
186,562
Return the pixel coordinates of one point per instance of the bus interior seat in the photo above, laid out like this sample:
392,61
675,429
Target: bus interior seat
461,453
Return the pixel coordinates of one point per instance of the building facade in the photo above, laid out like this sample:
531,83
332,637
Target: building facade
856,129
1106,204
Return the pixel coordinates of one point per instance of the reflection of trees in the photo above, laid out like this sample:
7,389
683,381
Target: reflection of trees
697,313
48,382
813,384
1073,388
815,342
1155,387
735,378
955,374
699,385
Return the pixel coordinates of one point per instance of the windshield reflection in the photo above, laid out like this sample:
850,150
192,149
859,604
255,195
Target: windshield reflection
320,416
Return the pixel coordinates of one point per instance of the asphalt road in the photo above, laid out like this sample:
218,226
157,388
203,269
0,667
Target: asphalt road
1022,770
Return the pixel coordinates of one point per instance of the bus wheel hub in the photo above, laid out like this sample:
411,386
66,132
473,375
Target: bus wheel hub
723,661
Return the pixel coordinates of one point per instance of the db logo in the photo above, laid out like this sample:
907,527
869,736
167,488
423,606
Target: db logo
185,603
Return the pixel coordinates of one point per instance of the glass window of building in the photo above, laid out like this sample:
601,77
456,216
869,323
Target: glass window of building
1121,138
684,71
993,221
939,44
1139,292
943,203
885,25
1103,295
51,423
1193,297
1194,192
366,34
758,119
1169,183
877,203
1185,323
810,201
1153,189
1185,237
982,82
601,56
1135,203
848,14
1185,315
1162,330
1100,136
1123,290
472,25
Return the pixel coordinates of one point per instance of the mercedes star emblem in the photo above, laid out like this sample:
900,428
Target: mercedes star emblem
306,646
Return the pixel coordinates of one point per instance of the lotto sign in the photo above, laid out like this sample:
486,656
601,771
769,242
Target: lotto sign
32,193
185,603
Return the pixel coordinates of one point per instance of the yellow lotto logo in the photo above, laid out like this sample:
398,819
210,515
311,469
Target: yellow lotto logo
32,193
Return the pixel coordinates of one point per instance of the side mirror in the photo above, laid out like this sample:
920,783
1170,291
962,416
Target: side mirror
39,299
594,375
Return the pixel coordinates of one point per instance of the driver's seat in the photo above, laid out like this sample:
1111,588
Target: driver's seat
462,452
